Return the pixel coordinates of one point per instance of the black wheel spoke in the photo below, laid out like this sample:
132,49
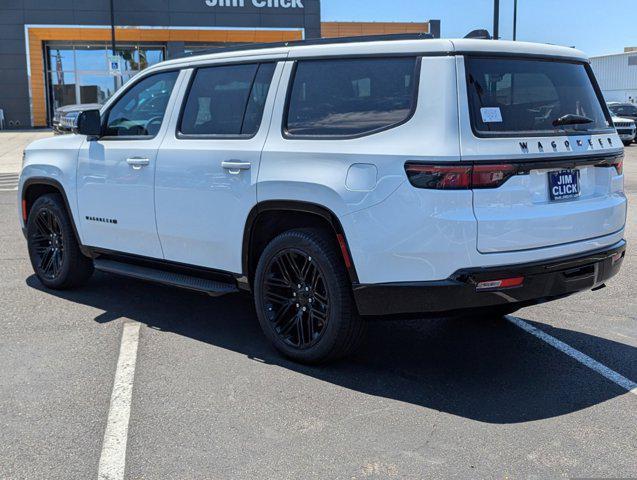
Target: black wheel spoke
287,277
275,282
277,298
47,261
295,298
301,329
41,224
47,243
282,316
294,267
289,324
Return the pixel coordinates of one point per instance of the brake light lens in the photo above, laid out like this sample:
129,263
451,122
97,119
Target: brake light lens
491,176
617,163
457,176
439,177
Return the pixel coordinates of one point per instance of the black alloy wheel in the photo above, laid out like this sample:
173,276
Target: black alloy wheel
53,247
296,299
48,244
303,297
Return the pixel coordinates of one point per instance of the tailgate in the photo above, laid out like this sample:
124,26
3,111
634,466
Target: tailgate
521,215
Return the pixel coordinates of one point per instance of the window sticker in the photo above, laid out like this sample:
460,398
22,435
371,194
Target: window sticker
491,114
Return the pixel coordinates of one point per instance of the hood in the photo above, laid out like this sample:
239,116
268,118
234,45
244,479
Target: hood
78,107
617,120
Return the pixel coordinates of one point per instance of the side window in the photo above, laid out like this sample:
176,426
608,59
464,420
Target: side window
140,111
256,103
227,100
347,97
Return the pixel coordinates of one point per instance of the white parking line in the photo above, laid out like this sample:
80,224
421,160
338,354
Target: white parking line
113,458
584,359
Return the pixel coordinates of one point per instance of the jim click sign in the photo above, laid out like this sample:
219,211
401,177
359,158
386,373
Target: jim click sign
256,3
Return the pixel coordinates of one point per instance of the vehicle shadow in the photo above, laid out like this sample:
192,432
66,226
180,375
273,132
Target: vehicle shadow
490,371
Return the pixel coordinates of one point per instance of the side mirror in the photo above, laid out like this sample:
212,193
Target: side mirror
89,123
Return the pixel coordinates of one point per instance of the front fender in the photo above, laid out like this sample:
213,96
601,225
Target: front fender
52,161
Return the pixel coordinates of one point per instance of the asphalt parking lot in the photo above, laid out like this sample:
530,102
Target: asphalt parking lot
212,400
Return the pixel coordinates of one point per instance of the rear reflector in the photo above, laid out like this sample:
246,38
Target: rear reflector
616,257
24,210
458,176
344,252
500,284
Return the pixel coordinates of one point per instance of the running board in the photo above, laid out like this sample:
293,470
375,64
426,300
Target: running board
211,287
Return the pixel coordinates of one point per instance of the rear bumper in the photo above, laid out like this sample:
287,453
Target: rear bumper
543,281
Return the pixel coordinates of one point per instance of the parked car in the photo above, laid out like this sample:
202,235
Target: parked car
65,118
625,129
341,180
623,110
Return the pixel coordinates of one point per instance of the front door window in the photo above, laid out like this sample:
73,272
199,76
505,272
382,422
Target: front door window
140,111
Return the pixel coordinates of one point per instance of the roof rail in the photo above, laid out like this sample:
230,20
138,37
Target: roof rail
313,41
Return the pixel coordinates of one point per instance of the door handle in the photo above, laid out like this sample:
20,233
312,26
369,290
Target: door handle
137,162
235,166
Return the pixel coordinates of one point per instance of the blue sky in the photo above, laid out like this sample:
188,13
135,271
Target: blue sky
594,26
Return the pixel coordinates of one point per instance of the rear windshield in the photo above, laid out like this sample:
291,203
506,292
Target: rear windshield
522,96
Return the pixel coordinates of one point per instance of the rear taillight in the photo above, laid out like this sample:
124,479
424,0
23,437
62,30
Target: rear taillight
617,162
439,177
458,176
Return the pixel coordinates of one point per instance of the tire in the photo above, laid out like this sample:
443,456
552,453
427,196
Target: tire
53,248
304,300
627,144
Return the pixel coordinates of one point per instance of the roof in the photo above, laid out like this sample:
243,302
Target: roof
389,45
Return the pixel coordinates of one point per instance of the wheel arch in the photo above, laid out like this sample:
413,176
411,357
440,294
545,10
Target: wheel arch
35,187
282,215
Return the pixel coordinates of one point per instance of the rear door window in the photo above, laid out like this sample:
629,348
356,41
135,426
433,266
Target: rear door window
528,96
351,97
227,100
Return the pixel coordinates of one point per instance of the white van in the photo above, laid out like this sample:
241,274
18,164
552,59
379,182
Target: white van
337,180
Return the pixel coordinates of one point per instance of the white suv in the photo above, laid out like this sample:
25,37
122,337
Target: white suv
339,180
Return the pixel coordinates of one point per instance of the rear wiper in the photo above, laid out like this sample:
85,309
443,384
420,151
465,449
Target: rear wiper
572,119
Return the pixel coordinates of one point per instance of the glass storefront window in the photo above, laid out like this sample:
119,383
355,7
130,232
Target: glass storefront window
135,59
61,58
79,73
63,89
150,56
91,58
96,88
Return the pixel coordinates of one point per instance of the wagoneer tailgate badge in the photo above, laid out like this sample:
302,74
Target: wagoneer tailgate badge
524,146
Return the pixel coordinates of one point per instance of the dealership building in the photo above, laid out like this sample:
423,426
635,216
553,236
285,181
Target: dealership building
56,53
617,75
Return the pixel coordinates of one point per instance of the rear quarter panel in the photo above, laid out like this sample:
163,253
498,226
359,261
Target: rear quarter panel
350,176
